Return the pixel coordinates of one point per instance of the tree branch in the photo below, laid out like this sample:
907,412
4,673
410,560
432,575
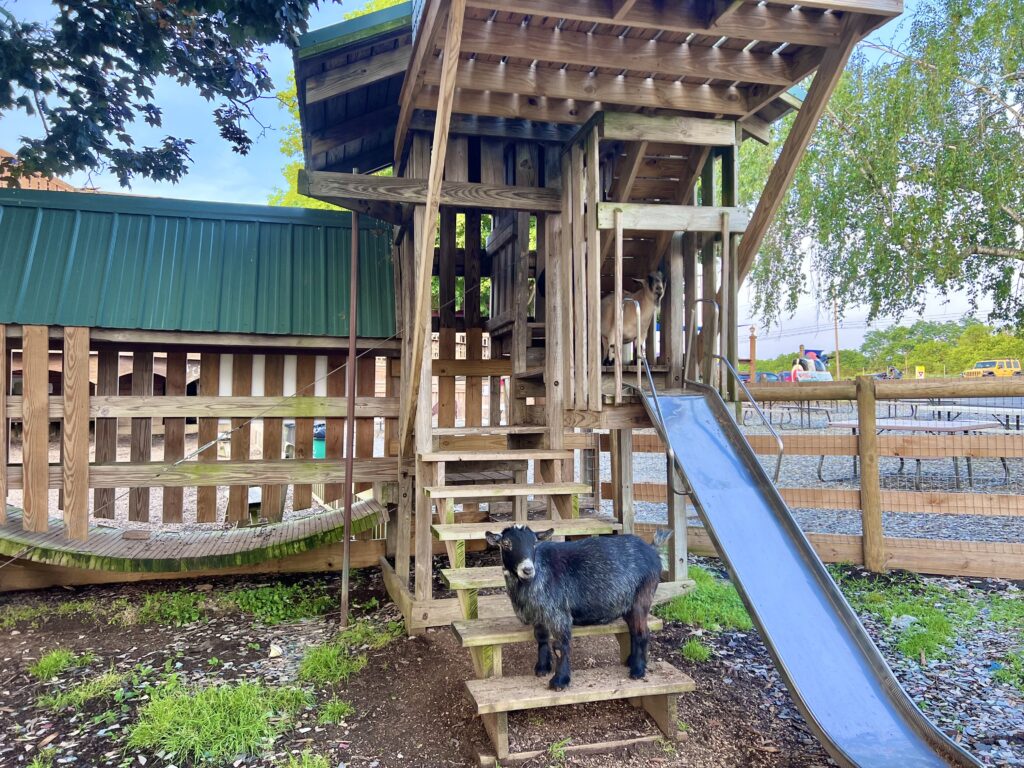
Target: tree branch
1006,253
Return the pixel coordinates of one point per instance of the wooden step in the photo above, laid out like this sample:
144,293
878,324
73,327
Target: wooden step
502,631
500,490
495,430
523,454
511,694
476,531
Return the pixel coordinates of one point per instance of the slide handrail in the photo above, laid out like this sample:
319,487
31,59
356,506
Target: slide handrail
764,419
691,327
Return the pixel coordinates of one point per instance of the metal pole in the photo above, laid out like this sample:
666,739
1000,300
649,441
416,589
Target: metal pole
350,411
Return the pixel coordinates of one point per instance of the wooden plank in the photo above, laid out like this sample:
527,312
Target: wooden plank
581,306
1012,386
272,496
241,438
826,444
631,416
660,217
305,377
456,367
142,433
692,131
519,454
365,72
504,630
332,185
511,106
221,407
174,435
335,427
366,378
629,90
870,500
508,694
431,20
75,433
477,531
499,491
639,54
336,135
209,387
35,427
781,175
456,169
592,196
228,341
4,379
751,22
106,428
471,312
804,391
428,224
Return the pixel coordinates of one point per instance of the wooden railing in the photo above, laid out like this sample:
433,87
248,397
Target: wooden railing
873,548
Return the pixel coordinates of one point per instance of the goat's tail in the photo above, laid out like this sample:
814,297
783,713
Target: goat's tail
661,536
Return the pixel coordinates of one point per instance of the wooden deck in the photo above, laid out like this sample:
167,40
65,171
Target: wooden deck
132,551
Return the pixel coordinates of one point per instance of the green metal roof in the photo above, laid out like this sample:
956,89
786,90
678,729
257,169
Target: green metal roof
361,28
119,261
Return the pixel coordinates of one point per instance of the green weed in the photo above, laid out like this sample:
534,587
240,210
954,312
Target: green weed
1012,670
341,658
100,687
44,759
277,603
171,608
306,760
1006,612
694,650
334,711
557,753
714,604
215,724
13,615
56,661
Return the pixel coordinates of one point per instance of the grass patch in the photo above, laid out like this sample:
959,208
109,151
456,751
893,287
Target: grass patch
277,603
215,724
100,687
334,711
56,661
937,614
1006,612
13,615
342,657
1011,670
174,609
306,760
713,604
44,759
694,650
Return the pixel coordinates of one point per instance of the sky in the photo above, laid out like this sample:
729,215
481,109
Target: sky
221,175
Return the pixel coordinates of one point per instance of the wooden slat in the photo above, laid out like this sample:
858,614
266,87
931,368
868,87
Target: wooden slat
272,496
498,491
209,387
75,433
333,447
332,185
305,376
241,437
366,376
342,80
35,426
174,435
4,379
106,429
625,52
455,367
432,19
509,694
657,217
142,432
592,196
477,531
521,454
692,131
504,630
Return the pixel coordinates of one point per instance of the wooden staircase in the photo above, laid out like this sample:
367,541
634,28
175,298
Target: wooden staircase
492,694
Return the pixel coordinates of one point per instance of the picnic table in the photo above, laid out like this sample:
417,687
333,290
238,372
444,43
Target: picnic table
931,427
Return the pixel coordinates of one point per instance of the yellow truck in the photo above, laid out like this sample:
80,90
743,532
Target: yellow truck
1004,367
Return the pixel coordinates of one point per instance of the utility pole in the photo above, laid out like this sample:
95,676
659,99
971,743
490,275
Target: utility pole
835,322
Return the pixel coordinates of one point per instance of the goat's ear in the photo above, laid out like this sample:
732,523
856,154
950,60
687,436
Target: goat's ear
494,539
638,280
545,535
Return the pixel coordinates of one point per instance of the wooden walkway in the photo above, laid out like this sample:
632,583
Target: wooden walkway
133,551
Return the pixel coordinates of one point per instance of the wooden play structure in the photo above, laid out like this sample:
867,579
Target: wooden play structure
553,151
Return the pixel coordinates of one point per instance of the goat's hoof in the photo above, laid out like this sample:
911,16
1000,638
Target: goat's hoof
542,669
637,674
558,683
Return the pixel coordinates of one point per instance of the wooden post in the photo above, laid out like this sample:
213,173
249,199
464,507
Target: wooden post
725,387
870,489
617,341
753,355
305,379
142,433
593,260
35,357
366,386
677,566
272,496
580,321
174,435
689,302
334,435
4,391
350,412
624,447
241,436
209,386
674,313
75,433
554,384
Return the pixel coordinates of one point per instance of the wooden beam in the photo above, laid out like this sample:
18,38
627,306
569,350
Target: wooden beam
353,129
337,82
631,53
537,82
659,217
327,185
720,10
782,172
431,20
628,168
873,7
692,131
751,22
497,127
508,105
35,428
425,238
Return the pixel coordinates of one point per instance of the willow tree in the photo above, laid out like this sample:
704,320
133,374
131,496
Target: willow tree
914,180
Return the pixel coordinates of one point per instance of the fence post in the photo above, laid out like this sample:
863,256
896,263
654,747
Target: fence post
873,539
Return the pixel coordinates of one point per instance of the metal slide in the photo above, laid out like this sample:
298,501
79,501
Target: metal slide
835,674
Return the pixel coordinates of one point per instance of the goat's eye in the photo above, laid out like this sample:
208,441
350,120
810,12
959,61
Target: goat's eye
506,544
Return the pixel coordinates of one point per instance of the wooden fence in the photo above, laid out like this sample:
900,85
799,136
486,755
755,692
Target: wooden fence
873,548
246,389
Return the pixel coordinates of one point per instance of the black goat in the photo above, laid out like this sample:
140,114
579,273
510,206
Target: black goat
590,581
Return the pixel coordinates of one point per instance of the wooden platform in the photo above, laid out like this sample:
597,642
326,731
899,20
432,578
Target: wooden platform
506,630
503,490
122,550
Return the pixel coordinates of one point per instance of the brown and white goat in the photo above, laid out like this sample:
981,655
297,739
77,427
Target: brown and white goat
649,296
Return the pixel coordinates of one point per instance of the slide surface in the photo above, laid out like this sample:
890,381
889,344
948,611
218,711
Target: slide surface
835,674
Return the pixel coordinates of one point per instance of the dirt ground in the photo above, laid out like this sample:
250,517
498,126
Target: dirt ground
409,701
